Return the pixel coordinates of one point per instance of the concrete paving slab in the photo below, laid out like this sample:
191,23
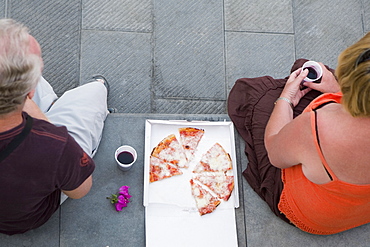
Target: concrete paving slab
45,236
189,49
122,15
325,28
366,8
240,213
2,8
258,54
259,16
124,58
189,106
56,25
93,221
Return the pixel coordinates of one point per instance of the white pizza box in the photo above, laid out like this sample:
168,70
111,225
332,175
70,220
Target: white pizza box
169,205
169,226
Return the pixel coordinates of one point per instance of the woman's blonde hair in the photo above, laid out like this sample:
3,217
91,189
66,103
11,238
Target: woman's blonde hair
20,70
353,73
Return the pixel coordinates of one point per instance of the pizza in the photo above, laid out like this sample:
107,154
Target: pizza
170,150
160,169
214,160
212,173
205,201
190,138
222,185
166,159
212,181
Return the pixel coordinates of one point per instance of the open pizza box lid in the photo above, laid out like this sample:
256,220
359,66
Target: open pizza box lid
170,210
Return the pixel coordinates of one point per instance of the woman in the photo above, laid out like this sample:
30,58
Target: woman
309,153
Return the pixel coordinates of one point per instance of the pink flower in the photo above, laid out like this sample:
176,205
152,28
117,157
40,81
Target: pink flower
124,191
119,206
122,199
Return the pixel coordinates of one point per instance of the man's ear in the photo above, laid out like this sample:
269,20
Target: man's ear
35,48
31,94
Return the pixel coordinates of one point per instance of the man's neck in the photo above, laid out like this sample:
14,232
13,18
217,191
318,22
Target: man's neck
10,120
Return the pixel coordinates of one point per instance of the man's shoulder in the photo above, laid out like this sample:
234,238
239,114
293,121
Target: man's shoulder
46,129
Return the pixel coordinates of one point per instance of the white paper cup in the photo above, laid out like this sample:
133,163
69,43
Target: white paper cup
315,70
125,157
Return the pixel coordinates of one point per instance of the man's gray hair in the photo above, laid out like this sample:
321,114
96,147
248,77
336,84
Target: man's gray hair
19,69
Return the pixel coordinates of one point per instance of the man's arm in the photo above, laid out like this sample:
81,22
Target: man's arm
81,191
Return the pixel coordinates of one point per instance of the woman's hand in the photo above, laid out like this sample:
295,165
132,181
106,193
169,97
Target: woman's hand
291,90
328,83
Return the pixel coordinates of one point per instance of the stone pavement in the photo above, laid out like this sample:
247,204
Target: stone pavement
177,57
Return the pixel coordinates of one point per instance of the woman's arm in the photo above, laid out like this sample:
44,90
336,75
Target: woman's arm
282,132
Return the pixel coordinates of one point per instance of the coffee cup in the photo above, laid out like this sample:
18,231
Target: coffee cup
125,157
314,71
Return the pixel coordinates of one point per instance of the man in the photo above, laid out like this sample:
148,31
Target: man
46,143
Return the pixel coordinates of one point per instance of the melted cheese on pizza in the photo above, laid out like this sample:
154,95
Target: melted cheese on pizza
216,159
159,169
170,150
218,182
205,201
201,200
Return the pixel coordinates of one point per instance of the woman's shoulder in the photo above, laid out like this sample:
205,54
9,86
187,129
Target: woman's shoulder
344,141
334,118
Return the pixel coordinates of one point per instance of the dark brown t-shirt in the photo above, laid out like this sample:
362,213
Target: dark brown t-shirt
32,176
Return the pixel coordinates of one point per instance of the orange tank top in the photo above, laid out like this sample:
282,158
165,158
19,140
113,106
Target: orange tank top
323,208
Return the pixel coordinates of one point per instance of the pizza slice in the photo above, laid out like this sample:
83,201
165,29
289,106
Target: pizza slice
218,182
190,137
205,201
216,159
169,149
160,169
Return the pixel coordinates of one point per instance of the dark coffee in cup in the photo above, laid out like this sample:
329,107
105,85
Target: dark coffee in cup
312,74
125,157
314,71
